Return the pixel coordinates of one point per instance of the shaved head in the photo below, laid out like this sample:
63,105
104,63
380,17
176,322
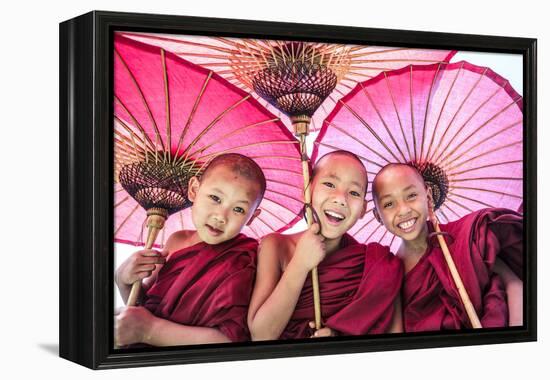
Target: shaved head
344,153
408,170
240,165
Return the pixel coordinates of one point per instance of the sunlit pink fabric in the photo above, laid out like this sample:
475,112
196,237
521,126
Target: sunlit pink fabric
358,285
198,108
463,118
430,299
366,61
207,285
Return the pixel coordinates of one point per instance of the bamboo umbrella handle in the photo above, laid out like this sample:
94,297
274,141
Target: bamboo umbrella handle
309,219
155,223
472,315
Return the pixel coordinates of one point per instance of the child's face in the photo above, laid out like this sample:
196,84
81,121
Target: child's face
223,203
338,194
401,202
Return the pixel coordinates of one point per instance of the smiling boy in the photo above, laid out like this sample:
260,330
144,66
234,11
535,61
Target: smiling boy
198,288
484,244
359,284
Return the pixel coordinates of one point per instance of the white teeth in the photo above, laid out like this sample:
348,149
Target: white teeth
407,224
335,215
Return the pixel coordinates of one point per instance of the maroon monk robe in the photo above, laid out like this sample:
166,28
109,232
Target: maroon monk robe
358,285
430,299
208,286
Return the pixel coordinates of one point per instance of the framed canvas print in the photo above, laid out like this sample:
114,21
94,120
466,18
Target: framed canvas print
241,189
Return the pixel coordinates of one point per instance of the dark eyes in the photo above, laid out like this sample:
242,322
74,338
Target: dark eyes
332,186
388,204
412,196
217,199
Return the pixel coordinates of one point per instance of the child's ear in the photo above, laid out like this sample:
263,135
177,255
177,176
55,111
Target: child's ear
254,215
193,188
364,209
376,215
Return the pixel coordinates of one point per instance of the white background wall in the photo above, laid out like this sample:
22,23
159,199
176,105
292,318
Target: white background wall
29,162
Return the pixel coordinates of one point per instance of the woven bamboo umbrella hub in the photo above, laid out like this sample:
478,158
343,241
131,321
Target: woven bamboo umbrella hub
434,177
295,88
160,187
296,84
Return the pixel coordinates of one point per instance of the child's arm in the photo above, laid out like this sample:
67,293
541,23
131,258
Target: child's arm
275,295
141,265
514,292
397,320
138,325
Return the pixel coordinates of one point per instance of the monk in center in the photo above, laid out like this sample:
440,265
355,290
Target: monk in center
359,284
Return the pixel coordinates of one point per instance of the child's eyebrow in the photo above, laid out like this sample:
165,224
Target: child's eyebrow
404,190
332,175
218,190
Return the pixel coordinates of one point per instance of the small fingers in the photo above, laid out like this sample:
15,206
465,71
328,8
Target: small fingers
146,268
144,275
150,253
151,260
324,332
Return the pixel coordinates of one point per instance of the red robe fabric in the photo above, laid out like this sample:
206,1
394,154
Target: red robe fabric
207,285
430,299
358,285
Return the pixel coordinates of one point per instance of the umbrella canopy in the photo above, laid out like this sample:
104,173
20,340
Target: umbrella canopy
254,64
461,125
172,117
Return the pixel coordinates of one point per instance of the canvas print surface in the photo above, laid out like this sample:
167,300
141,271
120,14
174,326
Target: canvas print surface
282,190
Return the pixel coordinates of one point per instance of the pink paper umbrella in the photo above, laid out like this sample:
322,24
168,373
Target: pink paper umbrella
460,124
298,80
171,118
241,61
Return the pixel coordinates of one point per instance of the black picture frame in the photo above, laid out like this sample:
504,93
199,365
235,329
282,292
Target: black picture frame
86,194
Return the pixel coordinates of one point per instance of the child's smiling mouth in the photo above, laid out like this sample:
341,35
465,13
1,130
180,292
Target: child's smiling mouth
334,217
407,225
213,231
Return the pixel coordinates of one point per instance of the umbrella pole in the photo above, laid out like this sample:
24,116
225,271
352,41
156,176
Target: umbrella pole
155,222
301,128
465,298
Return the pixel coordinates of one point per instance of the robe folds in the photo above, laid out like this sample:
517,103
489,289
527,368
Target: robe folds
208,286
431,301
358,285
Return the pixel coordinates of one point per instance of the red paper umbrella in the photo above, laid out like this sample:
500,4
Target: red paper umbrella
171,118
461,125
241,61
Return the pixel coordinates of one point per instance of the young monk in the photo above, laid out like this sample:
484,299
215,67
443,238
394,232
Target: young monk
359,284
484,245
197,290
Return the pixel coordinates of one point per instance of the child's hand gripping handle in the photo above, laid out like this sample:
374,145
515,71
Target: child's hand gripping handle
155,222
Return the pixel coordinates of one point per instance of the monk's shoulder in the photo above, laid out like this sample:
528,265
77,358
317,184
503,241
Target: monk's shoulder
278,246
178,240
